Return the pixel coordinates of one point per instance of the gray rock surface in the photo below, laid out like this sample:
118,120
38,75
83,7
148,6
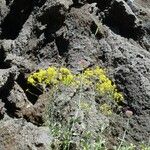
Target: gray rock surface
36,34
18,100
2,109
17,134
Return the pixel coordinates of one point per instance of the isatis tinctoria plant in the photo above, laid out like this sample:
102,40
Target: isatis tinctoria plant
94,77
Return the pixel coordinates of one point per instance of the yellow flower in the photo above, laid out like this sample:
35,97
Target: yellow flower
91,77
103,78
40,76
105,87
65,71
88,73
67,80
98,71
30,80
52,71
118,96
51,77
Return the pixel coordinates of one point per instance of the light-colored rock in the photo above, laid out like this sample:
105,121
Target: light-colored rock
66,3
17,134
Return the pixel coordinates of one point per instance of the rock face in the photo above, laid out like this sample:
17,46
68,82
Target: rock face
35,34
18,134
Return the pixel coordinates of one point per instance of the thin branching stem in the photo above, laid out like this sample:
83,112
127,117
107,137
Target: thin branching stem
124,134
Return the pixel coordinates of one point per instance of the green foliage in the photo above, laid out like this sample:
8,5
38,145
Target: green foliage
145,146
63,134
106,109
85,106
63,138
94,78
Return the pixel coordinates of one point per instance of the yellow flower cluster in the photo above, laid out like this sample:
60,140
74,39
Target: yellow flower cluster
95,77
103,83
47,77
65,76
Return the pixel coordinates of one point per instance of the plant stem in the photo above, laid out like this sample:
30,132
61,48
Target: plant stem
79,101
124,134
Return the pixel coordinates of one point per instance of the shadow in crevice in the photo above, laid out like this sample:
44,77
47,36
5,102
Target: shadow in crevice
8,2
12,24
62,45
97,31
40,3
11,108
133,32
54,19
31,92
4,64
122,23
76,4
4,93
102,4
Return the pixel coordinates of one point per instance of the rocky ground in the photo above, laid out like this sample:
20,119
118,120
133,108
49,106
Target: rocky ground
35,34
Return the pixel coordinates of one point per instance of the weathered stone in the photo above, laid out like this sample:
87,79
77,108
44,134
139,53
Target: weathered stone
121,16
66,3
79,34
2,109
18,100
17,134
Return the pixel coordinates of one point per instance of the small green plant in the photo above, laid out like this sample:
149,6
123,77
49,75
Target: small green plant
94,78
62,136
99,27
98,144
106,109
128,147
144,146
85,106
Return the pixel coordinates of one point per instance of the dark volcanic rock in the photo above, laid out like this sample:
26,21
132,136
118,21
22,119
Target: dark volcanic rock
2,109
123,21
16,134
35,34
17,101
